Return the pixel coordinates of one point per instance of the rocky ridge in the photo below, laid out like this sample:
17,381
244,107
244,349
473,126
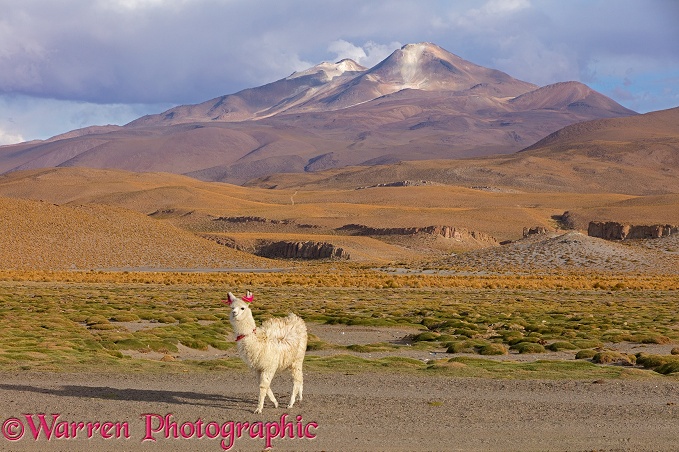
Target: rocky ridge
611,230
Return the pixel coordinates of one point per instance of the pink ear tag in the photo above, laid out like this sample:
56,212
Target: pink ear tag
248,297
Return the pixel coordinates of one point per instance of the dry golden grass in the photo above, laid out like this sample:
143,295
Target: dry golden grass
351,276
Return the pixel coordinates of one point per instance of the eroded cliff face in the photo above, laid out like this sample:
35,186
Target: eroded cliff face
612,230
301,250
449,232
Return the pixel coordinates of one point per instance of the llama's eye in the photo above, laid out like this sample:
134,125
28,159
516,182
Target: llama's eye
242,309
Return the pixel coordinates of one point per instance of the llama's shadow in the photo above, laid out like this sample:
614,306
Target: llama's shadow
138,395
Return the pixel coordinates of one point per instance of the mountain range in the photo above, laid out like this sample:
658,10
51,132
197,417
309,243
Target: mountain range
420,103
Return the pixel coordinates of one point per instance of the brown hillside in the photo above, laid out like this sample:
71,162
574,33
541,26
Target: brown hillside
637,155
194,205
658,125
41,235
115,219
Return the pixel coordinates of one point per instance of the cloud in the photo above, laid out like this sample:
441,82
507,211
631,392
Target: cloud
10,138
167,52
504,6
143,50
370,54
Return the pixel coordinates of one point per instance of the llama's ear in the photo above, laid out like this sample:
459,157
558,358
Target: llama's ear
248,297
231,299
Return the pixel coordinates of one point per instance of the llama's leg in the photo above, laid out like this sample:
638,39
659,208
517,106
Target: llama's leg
272,398
265,378
298,384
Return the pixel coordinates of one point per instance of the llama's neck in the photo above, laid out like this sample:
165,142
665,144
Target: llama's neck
244,326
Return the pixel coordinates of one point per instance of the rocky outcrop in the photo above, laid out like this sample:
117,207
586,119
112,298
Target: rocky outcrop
534,231
283,249
567,220
403,183
448,232
611,230
225,241
249,220
301,250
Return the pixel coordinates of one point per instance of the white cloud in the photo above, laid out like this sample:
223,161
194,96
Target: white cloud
139,4
10,138
504,6
529,59
343,49
367,55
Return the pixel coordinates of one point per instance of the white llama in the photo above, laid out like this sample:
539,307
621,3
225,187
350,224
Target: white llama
280,343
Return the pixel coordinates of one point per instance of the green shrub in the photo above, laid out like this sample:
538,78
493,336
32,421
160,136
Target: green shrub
426,336
668,368
561,345
586,343
466,346
585,354
465,332
656,362
508,336
195,343
315,344
652,339
458,347
166,319
523,339
430,322
492,349
528,347
96,319
611,357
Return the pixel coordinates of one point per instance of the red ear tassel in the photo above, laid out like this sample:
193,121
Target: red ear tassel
248,297
227,302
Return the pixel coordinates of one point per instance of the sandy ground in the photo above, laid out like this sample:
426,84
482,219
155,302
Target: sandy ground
360,412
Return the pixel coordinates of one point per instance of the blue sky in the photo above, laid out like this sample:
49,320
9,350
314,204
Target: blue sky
72,63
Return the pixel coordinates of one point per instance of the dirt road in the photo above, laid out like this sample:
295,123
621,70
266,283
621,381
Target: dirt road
360,412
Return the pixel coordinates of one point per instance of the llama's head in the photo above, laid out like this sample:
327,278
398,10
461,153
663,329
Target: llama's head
240,307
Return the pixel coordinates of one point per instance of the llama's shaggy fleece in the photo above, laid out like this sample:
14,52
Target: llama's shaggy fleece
280,343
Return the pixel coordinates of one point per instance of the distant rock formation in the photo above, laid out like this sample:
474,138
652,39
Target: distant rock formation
251,219
448,232
263,221
225,241
534,230
611,230
301,250
284,249
567,220
403,183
